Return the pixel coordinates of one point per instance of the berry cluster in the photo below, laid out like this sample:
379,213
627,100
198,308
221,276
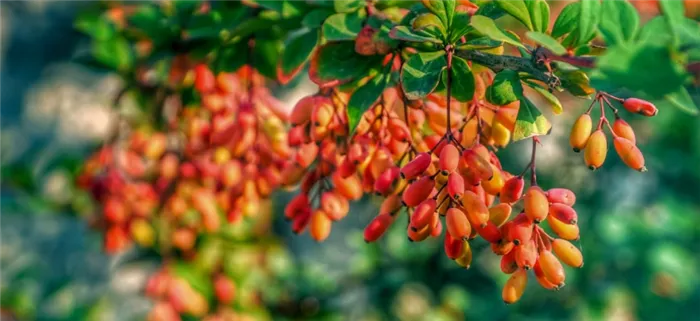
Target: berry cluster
594,142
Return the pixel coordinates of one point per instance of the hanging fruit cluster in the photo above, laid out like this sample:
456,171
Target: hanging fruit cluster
414,100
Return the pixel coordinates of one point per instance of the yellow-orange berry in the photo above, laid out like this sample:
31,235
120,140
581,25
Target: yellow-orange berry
580,132
621,128
567,253
629,153
536,204
515,287
596,150
457,224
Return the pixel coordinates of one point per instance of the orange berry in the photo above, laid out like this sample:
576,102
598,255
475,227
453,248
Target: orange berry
349,187
476,210
508,265
469,132
596,150
457,224
640,106
502,247
564,213
490,232
500,213
494,185
515,287
526,255
390,205
399,130
424,213
552,268
376,228
536,204
301,113
320,226
477,163
542,279
204,80
512,189
115,240
417,166
621,128
580,132
520,232
454,247
566,231
567,253
334,205
418,191
306,154
455,186
465,260
629,153
418,235
561,195
449,159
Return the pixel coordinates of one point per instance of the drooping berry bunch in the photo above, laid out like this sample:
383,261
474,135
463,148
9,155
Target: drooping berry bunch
594,142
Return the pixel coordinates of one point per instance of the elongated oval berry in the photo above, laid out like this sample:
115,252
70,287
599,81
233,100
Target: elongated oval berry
502,247
390,205
564,213
508,265
500,213
386,181
469,132
640,106
542,279
424,213
350,187
520,232
297,205
515,287
417,166
376,228
494,185
320,226
536,204
476,210
621,128
455,186
526,255
301,113
399,130
512,189
580,132
334,205
301,221
490,232
418,235
629,153
477,163
204,79
566,231
465,260
457,224
449,159
567,253
418,191
454,247
500,134
596,150
561,195
552,268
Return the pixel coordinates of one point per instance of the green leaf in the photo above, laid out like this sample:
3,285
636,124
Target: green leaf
342,26
444,9
197,280
673,12
505,89
462,80
405,34
115,53
460,26
681,99
420,75
339,61
517,9
554,102
619,21
487,27
480,43
315,18
576,82
567,20
647,67
95,24
655,30
298,50
539,14
265,56
546,41
348,5
588,20
364,97
490,9
530,122
429,21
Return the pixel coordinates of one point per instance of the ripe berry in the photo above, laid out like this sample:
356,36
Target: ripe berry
567,253
424,214
334,205
596,150
417,166
520,232
204,80
566,231
454,247
515,287
512,189
465,260
449,159
476,210
561,195
418,191
623,129
552,268
500,213
526,255
563,213
640,106
376,228
494,185
580,132
320,226
508,265
542,279
224,289
455,186
536,204
629,153
490,232
457,224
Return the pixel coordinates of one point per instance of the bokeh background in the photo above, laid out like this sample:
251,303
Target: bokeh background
640,232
